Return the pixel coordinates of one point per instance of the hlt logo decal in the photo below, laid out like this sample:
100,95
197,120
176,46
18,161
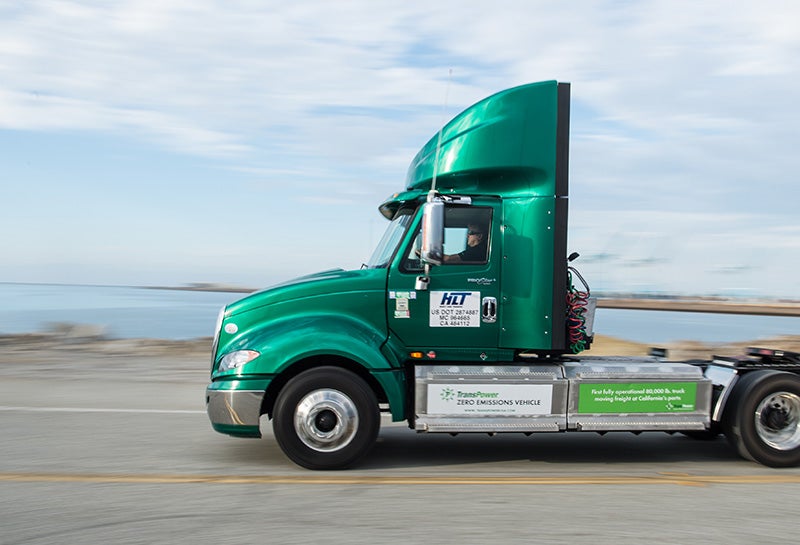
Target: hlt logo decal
455,309
454,297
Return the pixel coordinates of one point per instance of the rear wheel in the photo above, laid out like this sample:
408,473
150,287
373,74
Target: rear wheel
763,418
326,418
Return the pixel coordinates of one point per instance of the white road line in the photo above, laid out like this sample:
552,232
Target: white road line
97,410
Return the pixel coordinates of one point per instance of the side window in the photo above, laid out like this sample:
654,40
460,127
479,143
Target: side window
466,238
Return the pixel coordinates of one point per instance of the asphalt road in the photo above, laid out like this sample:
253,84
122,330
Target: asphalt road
116,448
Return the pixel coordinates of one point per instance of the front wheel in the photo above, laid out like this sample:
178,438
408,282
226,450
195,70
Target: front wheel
763,421
326,418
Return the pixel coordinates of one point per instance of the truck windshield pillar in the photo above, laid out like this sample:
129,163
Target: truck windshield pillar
391,239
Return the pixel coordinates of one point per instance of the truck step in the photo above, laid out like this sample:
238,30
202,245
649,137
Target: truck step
456,425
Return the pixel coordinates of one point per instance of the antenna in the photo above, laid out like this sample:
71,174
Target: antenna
441,127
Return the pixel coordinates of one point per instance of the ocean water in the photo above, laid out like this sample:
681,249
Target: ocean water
125,312
122,312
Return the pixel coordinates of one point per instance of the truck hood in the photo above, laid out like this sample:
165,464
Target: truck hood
312,285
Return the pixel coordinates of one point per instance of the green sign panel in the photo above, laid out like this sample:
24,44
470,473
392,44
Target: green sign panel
638,397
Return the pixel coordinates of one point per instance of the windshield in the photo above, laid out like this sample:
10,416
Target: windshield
391,238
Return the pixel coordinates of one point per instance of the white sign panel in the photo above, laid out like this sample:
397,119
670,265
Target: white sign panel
496,399
455,309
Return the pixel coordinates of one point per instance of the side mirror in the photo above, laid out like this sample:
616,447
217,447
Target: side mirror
433,232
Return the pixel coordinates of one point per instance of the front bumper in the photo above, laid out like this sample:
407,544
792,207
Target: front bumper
232,411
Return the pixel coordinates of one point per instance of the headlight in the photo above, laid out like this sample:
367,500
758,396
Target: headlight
234,360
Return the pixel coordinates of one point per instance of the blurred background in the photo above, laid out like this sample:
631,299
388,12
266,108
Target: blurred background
237,143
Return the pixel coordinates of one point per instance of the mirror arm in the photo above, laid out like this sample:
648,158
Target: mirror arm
424,279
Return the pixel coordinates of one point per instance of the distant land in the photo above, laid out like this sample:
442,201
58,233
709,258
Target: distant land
628,301
204,286
703,304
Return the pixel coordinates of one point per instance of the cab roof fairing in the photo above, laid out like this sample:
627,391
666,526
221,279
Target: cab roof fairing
505,144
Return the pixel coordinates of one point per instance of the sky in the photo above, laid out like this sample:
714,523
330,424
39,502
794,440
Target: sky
160,142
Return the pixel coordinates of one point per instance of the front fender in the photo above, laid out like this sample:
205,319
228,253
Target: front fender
286,342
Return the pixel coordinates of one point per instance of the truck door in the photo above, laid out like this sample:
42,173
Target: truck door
460,309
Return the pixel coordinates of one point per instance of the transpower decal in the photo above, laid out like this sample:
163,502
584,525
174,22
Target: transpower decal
638,397
498,399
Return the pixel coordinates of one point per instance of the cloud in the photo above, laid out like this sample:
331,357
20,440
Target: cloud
223,75
684,113
687,252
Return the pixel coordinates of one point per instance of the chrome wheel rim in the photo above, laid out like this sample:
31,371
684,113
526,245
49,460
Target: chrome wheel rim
326,420
778,420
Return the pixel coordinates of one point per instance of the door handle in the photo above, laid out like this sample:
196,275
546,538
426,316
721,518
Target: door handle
489,310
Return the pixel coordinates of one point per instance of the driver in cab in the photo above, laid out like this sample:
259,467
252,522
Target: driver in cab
476,247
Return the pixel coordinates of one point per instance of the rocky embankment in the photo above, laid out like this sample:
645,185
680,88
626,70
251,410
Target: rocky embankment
66,342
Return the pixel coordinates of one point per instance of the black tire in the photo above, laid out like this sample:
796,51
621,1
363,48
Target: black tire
326,418
762,418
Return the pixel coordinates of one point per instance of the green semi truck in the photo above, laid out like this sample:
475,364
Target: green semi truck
469,318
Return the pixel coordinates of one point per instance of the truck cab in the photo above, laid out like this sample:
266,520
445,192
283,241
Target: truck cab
465,319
